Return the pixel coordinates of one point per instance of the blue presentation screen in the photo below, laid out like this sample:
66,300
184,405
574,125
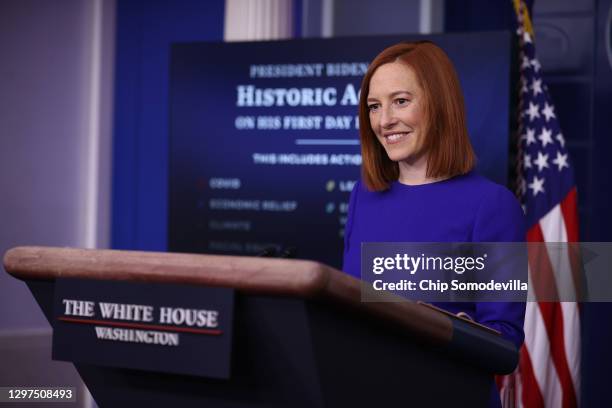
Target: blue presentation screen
264,142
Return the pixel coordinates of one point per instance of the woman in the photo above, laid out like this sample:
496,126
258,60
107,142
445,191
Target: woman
418,183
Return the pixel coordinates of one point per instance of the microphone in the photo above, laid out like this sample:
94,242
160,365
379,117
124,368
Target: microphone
268,252
289,252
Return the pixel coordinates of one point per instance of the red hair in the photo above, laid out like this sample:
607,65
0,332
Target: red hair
447,143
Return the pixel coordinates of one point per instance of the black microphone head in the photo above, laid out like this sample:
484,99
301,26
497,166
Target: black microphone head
268,252
289,252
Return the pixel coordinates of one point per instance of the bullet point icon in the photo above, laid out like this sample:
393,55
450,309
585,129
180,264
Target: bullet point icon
330,207
330,185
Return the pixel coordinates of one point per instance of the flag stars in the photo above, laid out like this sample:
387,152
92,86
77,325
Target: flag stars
545,137
548,111
541,161
561,139
527,161
536,87
524,88
523,85
561,161
539,131
526,62
533,111
530,136
536,186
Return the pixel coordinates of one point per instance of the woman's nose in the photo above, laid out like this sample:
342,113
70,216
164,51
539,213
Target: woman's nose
387,118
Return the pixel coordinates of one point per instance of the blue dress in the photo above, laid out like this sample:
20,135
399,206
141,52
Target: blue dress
466,208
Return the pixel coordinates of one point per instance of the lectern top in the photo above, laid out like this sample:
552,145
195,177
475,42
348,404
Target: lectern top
249,275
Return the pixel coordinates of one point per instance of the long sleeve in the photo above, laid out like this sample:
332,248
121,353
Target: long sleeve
500,219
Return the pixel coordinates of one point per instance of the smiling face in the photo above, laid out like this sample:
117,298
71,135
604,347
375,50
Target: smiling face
396,106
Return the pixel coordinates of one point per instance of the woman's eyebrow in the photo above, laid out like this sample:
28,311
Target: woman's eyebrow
400,92
392,95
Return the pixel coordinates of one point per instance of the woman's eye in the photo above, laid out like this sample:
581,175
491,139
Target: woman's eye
401,101
373,106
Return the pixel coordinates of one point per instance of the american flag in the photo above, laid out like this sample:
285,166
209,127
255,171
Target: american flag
549,367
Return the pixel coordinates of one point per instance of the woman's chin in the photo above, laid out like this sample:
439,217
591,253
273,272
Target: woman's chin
410,158
398,156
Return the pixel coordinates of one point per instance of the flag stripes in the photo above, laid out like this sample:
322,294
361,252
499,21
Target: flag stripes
548,374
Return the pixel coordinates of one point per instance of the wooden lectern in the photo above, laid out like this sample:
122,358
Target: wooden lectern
301,336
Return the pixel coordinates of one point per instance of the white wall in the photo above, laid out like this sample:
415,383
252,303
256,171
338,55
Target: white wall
56,59
53,147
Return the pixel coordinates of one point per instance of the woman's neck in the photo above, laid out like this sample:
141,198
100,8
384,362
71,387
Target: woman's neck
414,172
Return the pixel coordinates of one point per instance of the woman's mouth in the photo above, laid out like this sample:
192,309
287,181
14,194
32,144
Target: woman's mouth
393,138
